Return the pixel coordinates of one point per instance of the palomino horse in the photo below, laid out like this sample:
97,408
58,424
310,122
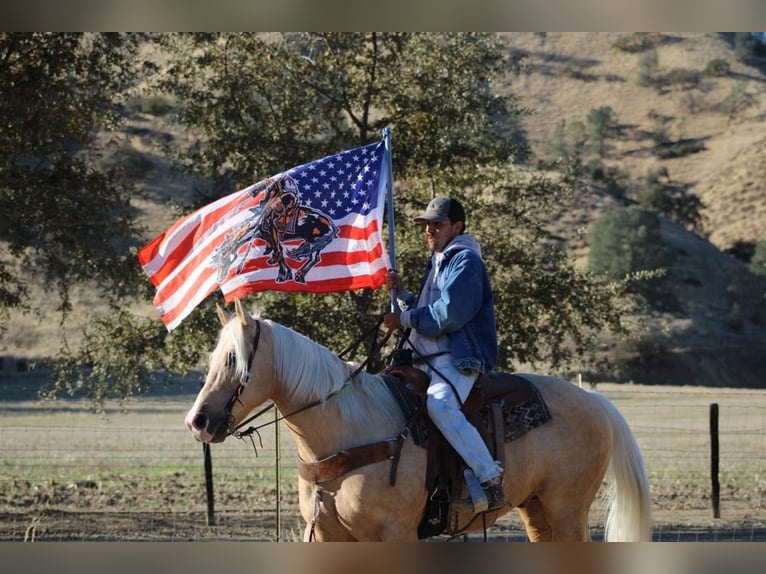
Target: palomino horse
552,476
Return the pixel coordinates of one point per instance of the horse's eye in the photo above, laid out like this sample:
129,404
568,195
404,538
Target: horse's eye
231,359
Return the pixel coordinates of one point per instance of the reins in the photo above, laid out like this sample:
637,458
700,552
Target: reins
236,433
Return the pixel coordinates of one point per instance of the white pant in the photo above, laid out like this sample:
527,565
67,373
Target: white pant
444,409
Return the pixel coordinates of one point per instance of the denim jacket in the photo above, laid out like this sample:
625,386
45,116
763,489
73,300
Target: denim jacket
464,311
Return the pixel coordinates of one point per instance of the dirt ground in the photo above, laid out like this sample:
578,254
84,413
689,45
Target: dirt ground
175,509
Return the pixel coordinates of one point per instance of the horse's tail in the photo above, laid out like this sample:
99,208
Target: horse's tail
627,496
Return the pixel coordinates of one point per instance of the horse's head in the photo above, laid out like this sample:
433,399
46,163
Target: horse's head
236,381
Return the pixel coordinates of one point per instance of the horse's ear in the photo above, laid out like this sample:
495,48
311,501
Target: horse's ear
241,313
222,317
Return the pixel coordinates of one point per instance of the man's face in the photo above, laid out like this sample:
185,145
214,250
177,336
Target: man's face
439,234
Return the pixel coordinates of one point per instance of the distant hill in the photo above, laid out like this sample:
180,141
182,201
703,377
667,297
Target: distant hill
712,330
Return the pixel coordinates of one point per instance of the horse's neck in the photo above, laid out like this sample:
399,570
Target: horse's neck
326,428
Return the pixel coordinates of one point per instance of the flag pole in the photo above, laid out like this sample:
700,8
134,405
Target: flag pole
390,197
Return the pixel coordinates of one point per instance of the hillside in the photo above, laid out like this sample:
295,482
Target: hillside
713,329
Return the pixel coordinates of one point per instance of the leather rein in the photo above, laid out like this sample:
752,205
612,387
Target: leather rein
245,380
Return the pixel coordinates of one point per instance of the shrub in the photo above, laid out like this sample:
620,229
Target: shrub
758,260
637,42
626,243
684,77
678,149
717,68
648,64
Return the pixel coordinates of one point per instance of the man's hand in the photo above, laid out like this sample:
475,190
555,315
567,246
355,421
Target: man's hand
392,321
393,281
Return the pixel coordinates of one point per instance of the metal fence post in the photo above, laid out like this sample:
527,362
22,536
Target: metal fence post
714,458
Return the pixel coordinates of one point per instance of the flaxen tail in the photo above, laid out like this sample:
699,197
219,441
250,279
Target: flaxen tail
628,497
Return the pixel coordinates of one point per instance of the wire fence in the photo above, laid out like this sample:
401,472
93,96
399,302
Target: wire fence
134,472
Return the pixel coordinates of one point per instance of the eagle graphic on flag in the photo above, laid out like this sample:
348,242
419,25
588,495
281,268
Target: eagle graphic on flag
314,228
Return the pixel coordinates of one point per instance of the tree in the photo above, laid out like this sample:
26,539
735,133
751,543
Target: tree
626,244
656,192
63,217
262,103
758,261
601,125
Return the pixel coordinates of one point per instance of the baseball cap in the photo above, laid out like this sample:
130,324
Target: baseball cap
442,208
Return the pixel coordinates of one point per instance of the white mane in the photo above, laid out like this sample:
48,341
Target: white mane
311,372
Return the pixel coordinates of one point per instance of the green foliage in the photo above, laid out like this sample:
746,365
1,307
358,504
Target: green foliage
737,101
602,123
637,42
569,139
717,68
684,77
656,192
262,103
660,126
758,261
648,65
616,181
122,355
745,46
62,216
626,244
679,149
154,105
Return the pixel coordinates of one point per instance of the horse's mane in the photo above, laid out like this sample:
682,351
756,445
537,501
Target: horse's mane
311,372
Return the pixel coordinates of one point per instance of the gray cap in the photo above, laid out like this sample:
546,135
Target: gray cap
442,208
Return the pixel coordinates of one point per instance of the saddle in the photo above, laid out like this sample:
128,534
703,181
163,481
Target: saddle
501,406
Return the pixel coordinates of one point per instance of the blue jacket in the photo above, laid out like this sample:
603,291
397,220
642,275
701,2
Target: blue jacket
464,310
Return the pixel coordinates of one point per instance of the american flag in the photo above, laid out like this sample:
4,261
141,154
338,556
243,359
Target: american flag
315,228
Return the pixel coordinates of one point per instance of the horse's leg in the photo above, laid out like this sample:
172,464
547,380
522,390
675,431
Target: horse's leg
535,522
318,510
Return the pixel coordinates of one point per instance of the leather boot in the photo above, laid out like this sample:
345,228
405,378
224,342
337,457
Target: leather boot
493,490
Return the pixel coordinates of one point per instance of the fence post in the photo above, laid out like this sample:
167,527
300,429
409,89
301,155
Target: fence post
714,458
209,484
278,477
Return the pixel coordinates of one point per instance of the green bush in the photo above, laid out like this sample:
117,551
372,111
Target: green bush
717,68
152,105
684,77
758,261
626,243
638,41
678,149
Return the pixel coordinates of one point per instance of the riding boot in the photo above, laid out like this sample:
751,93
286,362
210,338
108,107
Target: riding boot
493,490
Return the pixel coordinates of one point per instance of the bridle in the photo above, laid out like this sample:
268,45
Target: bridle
244,380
